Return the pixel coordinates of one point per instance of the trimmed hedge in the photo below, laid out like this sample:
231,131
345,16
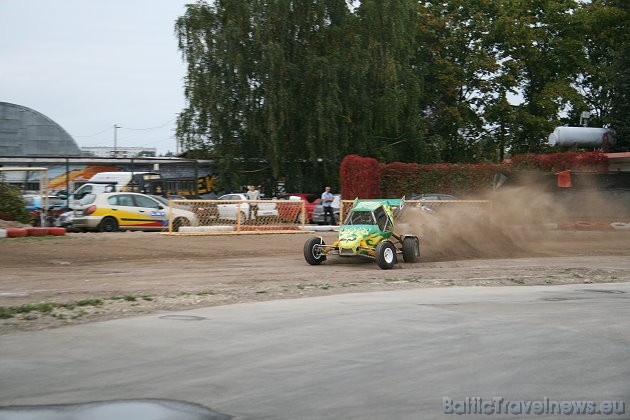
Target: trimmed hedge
555,162
366,178
360,177
407,179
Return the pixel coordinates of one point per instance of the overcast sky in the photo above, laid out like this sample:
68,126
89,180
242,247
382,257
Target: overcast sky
91,64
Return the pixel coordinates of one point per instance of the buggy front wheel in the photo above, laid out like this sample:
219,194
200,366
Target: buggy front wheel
312,253
385,255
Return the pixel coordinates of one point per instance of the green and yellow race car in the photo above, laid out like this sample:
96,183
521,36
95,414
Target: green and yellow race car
368,231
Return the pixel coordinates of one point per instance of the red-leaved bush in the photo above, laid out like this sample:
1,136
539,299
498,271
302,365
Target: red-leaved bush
398,179
555,162
360,177
366,178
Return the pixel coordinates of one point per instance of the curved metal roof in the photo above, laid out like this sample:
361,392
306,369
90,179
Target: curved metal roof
26,132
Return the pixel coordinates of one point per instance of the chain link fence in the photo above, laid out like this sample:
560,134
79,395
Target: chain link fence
215,217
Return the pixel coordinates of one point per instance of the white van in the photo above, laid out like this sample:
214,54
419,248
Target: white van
118,181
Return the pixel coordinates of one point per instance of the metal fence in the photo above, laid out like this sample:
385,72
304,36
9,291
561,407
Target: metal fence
215,217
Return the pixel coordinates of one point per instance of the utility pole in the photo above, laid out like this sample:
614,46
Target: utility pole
116,127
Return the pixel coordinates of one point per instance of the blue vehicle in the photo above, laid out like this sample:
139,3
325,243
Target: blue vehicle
34,204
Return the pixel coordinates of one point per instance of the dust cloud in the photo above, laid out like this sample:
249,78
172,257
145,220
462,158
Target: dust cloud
448,234
515,222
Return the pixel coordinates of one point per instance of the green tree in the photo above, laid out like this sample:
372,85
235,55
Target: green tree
262,86
604,76
284,89
386,82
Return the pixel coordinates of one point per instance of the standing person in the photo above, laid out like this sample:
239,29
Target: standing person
252,194
327,200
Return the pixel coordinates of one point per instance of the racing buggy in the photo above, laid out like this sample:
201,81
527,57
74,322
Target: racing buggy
368,231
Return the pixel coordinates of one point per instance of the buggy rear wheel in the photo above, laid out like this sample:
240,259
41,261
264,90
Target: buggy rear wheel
411,249
385,255
312,253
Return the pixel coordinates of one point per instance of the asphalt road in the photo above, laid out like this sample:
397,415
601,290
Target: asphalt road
380,355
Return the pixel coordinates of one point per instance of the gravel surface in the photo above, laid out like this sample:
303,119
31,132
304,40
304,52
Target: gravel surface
51,281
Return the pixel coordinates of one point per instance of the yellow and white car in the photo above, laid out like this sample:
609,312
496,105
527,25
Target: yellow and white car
109,212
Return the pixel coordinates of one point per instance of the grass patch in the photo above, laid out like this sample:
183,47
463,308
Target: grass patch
7,312
128,298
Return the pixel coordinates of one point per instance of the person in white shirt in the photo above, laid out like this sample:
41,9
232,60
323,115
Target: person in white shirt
253,194
327,200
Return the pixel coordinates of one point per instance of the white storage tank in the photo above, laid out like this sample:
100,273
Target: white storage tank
581,136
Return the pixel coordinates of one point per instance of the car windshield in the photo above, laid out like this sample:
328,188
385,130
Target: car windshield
161,199
87,199
360,218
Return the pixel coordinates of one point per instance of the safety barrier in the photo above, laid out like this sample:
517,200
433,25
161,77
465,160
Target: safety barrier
220,217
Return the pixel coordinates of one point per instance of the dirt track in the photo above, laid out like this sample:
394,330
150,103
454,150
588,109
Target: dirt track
135,272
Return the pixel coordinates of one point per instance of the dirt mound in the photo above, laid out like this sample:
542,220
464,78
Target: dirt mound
11,224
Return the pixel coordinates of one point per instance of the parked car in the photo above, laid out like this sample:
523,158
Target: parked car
229,210
34,204
109,212
318,211
292,213
432,197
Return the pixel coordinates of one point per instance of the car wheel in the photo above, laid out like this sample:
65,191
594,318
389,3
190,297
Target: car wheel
385,255
312,253
108,224
411,249
179,222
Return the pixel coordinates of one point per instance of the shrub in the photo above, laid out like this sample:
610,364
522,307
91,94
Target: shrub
556,162
398,179
12,206
360,177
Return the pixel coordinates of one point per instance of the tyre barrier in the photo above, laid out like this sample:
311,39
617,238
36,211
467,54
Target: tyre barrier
16,232
56,231
265,228
590,225
31,231
620,226
193,229
37,231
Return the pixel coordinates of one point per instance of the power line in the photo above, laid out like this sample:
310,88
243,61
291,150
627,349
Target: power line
151,128
100,132
132,129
